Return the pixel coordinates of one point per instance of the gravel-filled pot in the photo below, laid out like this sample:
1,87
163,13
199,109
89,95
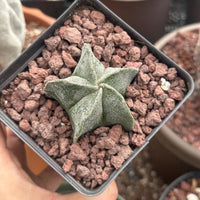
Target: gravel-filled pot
182,155
186,186
96,158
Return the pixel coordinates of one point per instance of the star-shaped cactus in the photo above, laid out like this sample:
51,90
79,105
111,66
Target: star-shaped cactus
93,95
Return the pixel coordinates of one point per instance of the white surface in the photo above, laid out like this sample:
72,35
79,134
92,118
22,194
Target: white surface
12,31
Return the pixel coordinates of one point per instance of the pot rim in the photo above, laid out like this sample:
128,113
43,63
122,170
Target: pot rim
163,40
175,143
189,175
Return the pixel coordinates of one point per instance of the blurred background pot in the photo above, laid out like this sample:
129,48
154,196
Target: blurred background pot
48,6
181,182
37,16
148,17
34,162
170,154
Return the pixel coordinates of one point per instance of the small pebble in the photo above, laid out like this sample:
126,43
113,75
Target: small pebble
165,85
192,196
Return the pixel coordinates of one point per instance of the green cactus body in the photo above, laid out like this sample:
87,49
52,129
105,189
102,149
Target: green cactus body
93,95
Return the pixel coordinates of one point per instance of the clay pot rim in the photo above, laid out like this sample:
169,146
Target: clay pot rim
163,40
174,143
189,175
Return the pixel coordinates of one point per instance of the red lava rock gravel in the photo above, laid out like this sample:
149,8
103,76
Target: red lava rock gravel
185,122
98,153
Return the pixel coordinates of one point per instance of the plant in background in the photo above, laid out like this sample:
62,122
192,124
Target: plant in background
94,95
197,63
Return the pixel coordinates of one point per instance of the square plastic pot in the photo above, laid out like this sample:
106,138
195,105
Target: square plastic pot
20,64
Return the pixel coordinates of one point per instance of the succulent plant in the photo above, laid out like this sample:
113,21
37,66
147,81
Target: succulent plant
197,63
93,95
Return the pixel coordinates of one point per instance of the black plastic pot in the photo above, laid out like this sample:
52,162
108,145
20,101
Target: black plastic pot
20,64
176,182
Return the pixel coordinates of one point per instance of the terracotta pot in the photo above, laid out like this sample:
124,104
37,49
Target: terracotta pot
36,15
34,162
169,153
48,7
148,17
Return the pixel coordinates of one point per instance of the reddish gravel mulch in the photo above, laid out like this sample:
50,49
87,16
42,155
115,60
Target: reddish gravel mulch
98,153
185,122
